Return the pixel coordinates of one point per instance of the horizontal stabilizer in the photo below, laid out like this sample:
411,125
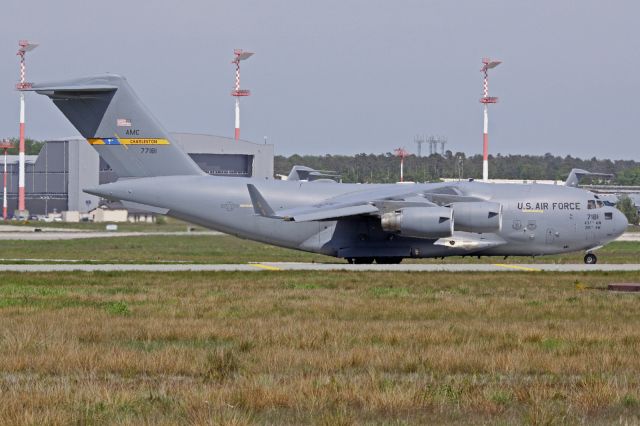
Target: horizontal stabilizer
70,91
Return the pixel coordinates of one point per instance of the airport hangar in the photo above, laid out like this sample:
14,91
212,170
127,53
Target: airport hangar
54,178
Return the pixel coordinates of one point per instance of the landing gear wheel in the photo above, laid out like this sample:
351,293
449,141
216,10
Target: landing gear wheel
388,260
363,260
590,259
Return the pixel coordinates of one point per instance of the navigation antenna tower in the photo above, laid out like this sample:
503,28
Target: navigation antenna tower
487,64
434,141
239,55
24,46
402,153
5,145
419,140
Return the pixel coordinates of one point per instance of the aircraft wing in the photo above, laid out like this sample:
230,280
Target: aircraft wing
376,201
311,213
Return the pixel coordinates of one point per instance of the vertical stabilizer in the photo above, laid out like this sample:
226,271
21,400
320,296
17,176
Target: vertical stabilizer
108,113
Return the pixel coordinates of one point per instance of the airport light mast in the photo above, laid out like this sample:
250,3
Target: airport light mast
24,47
487,64
402,153
240,55
5,145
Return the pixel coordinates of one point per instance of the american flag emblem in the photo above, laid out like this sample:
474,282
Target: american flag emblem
123,122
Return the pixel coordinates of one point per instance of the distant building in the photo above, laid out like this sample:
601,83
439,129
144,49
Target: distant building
107,215
54,178
70,216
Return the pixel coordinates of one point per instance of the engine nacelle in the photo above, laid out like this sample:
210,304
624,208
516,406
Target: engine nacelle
477,216
419,222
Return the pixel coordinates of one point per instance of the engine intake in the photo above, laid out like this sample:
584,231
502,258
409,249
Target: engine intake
480,216
419,222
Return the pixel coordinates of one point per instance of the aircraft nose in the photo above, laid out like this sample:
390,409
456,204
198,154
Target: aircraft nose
620,223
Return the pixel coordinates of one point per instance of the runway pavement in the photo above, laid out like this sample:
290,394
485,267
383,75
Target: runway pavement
273,266
629,236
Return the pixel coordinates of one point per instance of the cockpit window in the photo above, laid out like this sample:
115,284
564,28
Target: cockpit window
591,204
599,203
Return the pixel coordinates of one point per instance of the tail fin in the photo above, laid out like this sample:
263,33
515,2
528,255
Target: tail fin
107,112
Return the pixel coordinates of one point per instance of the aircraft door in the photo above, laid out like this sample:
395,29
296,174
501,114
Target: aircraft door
550,236
608,225
532,225
573,224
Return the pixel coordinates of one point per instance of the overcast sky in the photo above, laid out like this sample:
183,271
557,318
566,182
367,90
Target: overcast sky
348,76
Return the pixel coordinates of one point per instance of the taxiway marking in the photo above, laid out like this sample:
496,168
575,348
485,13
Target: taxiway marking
520,268
267,267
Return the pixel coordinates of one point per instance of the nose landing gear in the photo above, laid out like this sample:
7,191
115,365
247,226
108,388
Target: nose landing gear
590,259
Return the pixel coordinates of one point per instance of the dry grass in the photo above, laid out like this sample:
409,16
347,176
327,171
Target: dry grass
320,348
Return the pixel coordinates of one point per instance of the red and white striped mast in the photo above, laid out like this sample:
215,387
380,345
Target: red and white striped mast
24,47
401,152
5,145
487,64
240,55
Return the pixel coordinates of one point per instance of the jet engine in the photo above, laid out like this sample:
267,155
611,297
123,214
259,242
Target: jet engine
419,222
477,216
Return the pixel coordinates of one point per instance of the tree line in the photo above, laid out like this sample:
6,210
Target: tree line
31,146
385,168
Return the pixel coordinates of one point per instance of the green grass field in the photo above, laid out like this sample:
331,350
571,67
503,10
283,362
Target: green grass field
226,249
165,224
311,347
318,348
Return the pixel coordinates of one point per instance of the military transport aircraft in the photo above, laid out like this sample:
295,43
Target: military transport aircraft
362,223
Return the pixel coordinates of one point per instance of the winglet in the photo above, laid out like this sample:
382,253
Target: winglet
260,205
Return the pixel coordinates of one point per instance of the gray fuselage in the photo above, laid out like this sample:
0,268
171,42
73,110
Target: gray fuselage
536,219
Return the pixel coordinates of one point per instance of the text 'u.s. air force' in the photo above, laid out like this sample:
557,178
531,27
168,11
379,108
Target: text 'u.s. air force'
548,206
